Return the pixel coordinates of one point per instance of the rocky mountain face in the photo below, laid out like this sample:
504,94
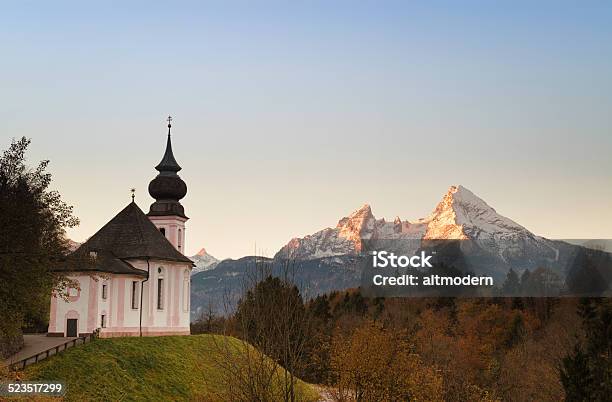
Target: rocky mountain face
203,261
460,215
482,242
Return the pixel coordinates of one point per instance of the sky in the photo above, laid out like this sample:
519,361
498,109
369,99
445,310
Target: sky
290,115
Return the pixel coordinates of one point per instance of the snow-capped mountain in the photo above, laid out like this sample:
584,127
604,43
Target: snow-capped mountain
203,261
463,215
460,215
463,232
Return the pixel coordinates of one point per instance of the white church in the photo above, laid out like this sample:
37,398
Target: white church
133,277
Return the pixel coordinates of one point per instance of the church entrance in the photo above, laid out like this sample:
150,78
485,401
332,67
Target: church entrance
71,327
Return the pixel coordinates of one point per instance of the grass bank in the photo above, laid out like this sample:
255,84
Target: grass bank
148,368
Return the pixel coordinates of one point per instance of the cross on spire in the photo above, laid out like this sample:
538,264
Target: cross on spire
133,191
168,163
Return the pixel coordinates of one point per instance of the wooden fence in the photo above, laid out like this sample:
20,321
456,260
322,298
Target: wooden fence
21,364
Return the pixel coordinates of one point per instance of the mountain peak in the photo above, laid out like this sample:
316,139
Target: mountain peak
461,215
357,219
362,212
202,252
357,225
203,261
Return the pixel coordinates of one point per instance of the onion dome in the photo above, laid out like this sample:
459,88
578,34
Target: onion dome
167,187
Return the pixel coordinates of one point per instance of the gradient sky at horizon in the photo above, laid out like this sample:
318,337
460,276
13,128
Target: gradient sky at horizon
288,117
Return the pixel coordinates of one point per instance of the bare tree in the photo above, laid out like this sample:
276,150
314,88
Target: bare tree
271,326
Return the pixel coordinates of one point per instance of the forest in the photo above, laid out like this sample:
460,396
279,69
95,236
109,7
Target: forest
397,349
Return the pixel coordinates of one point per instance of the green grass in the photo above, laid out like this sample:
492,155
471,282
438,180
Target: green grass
150,368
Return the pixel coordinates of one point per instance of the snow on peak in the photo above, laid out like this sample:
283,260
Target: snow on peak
463,215
203,261
459,215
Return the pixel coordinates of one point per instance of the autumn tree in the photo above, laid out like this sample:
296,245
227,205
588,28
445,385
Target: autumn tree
378,364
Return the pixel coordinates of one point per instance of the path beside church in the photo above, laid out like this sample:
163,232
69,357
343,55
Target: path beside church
35,343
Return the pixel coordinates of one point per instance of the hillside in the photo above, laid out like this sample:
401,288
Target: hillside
150,368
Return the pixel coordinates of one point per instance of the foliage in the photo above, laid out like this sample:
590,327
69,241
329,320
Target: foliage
272,317
378,364
586,373
32,242
511,286
493,349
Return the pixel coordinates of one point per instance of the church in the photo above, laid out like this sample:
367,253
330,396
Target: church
133,277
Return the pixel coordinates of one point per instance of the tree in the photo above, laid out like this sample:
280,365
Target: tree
270,316
377,364
32,243
512,284
516,331
586,374
525,282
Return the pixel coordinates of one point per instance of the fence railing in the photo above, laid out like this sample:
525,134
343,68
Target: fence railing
21,364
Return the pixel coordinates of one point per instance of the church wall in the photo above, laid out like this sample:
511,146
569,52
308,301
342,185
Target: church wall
81,305
173,318
88,304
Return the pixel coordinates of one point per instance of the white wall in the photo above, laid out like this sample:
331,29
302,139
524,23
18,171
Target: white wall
121,318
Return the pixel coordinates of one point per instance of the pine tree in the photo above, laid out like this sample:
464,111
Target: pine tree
512,284
586,374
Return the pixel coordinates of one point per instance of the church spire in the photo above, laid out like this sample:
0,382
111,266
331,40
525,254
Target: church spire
168,164
167,188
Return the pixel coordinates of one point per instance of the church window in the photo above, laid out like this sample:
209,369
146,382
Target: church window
103,321
160,293
180,235
186,291
163,231
104,292
134,294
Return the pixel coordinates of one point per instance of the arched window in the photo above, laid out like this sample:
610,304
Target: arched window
180,239
163,231
186,290
160,288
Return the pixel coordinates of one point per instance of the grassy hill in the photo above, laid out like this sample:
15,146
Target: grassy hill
149,368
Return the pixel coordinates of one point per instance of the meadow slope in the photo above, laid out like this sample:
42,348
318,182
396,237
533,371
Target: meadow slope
150,368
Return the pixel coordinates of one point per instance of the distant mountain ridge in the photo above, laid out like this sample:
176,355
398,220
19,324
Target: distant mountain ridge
459,215
482,242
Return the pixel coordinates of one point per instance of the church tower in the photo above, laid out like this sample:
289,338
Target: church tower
167,213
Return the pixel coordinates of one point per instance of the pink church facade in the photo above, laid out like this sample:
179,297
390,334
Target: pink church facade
131,277
112,303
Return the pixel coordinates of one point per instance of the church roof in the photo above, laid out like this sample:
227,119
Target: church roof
130,234
98,261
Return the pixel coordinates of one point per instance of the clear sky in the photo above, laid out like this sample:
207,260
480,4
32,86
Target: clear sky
289,115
